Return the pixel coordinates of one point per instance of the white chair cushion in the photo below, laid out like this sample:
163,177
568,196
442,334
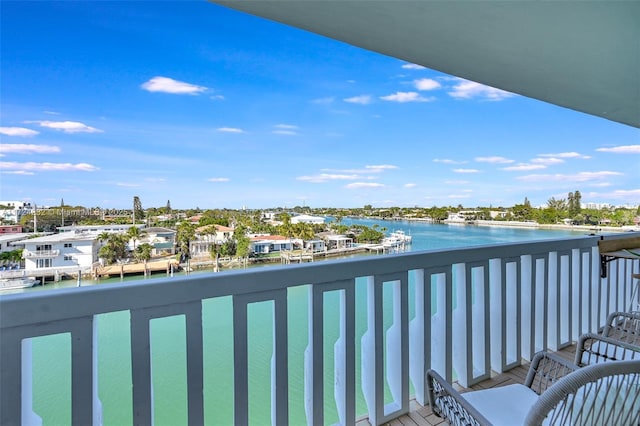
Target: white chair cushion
504,405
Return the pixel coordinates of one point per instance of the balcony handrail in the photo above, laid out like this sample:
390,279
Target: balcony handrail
555,284
41,253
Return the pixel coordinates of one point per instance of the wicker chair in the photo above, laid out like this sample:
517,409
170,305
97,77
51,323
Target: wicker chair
623,326
593,349
555,392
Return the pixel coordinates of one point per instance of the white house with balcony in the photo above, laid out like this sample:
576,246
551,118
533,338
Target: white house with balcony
207,236
65,251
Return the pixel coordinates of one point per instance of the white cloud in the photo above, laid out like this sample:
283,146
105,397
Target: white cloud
46,167
426,84
459,196
169,85
324,101
493,160
358,185
21,148
217,97
285,129
566,155
67,126
18,172
410,185
218,179
548,161
522,167
625,194
465,89
128,185
380,167
362,99
413,67
466,171
623,149
229,130
403,97
327,177
577,177
447,161
17,131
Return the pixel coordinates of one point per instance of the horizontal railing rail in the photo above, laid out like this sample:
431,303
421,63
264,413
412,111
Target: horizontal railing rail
463,312
41,253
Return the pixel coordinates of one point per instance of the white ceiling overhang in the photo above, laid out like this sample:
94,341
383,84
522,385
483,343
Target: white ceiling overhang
582,55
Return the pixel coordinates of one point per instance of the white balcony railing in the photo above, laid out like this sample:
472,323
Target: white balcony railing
473,310
40,253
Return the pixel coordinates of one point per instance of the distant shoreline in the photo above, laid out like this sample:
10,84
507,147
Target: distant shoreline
529,225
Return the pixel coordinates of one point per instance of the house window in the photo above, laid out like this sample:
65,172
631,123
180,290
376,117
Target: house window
44,263
67,245
43,247
68,257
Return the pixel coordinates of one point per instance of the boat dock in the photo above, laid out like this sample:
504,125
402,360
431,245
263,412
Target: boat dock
136,268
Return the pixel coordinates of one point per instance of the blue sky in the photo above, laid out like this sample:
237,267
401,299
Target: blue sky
210,108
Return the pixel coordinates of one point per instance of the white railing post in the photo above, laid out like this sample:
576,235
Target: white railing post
29,417
371,352
461,325
397,348
420,336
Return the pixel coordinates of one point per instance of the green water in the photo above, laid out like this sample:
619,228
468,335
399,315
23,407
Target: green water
52,368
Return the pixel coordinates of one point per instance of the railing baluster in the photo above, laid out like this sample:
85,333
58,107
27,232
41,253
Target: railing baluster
314,360
82,371
16,399
397,347
195,364
371,353
420,336
141,369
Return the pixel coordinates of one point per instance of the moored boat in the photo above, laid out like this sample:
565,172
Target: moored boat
22,282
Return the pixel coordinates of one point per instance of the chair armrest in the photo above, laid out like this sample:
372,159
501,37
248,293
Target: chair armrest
593,348
623,326
448,403
545,370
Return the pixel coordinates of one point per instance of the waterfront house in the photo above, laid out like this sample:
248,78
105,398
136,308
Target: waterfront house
163,240
338,241
206,237
265,244
63,252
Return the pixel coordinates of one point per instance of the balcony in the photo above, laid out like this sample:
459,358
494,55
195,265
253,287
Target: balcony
40,254
465,312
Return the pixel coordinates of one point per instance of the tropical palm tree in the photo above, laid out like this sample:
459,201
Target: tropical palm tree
143,253
134,235
214,252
